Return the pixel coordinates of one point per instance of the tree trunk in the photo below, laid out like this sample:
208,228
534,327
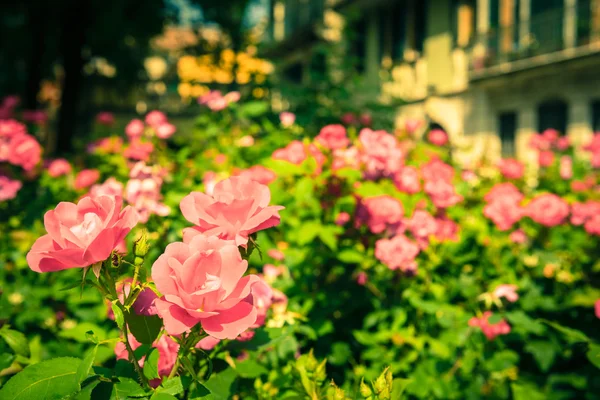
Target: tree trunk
37,22
71,46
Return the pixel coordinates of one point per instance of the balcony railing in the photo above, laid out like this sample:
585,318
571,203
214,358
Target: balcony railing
543,33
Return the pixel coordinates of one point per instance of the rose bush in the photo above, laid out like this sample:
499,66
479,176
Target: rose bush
240,262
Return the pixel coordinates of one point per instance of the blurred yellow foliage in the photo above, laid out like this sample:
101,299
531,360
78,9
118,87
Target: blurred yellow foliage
221,68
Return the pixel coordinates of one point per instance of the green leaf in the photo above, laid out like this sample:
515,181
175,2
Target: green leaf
308,232
125,388
162,396
119,317
144,328
200,392
350,256
16,341
328,234
80,332
593,354
91,336
86,365
250,369
220,384
543,352
189,367
6,360
340,353
52,379
571,335
398,387
523,322
171,386
526,391
253,109
151,364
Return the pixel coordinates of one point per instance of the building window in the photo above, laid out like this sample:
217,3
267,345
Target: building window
463,21
553,115
420,25
546,25
358,39
294,73
584,21
507,128
596,116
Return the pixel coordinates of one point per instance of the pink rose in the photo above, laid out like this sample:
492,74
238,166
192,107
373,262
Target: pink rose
10,128
566,167
202,282
446,229
348,119
86,178
365,119
263,298
237,208
155,118
134,129
38,117
592,225
81,234
210,96
333,137
208,343
105,118
562,143
509,292
518,236
437,137
491,331
138,150
294,153
108,145
422,225
597,308
20,149
442,193
398,252
545,158
259,174
232,97
382,212
59,167
361,278
548,210
165,130
9,188
504,212
111,187
287,119
551,135
381,153
276,255
342,218
436,169
511,168
504,190
411,125
407,180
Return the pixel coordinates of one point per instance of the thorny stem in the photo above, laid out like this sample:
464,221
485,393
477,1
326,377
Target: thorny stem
186,344
133,359
110,285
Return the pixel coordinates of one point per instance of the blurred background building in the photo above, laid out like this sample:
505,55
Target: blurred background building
495,71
